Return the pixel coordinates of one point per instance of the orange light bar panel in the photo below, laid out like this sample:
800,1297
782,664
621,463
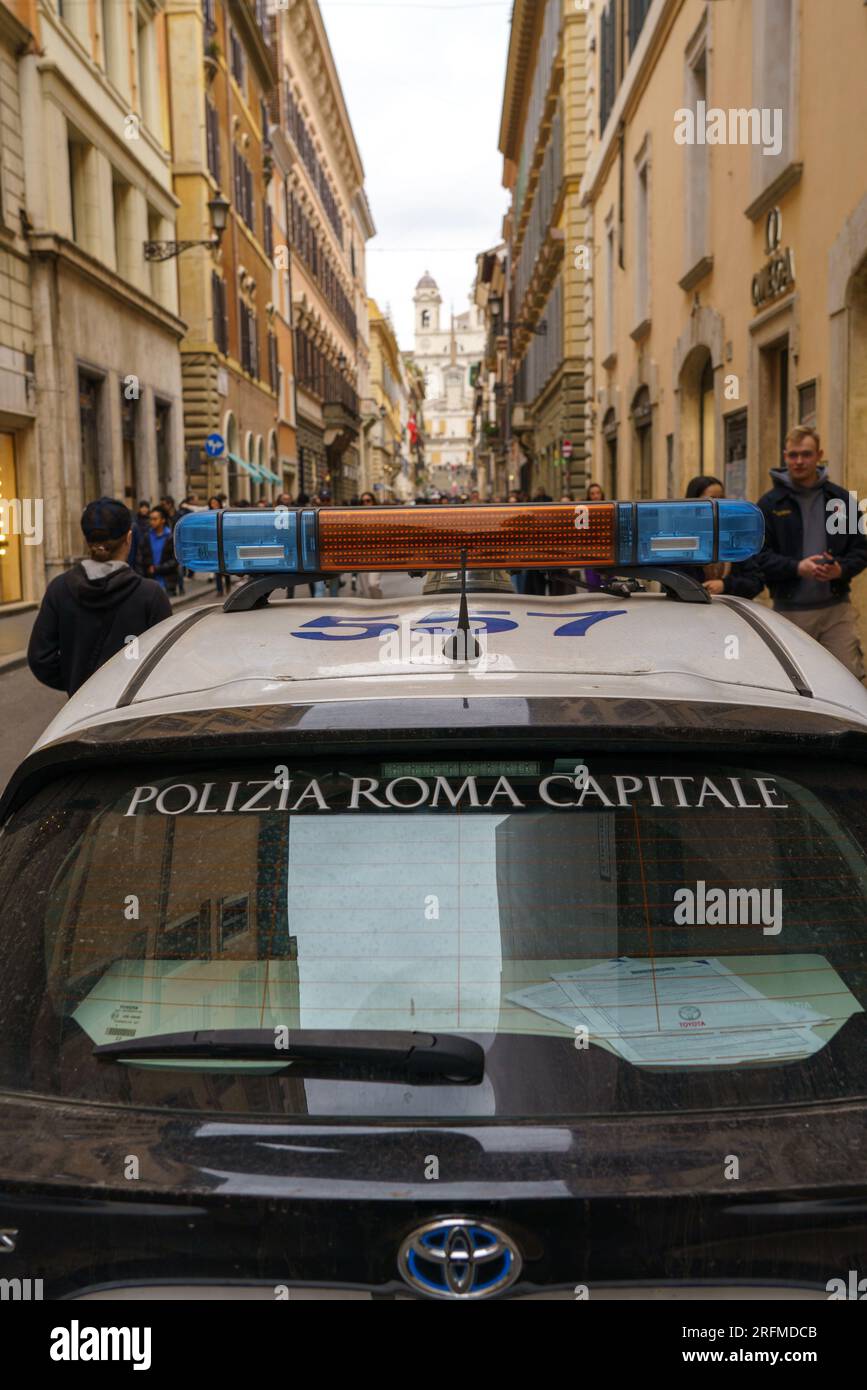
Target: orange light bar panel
494,537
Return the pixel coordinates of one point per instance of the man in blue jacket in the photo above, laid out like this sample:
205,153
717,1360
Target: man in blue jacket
808,566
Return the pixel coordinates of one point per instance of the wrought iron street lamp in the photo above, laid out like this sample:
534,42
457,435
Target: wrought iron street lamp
218,207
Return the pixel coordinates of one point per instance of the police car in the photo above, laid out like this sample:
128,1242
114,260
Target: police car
452,946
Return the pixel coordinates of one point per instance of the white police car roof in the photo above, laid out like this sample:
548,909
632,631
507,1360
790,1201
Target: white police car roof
645,646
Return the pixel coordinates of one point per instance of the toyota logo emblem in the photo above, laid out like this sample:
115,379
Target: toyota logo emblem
459,1258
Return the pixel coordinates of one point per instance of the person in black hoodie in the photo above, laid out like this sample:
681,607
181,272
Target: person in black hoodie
807,564
89,611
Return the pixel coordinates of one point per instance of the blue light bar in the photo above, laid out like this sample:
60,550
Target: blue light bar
690,533
243,542
287,540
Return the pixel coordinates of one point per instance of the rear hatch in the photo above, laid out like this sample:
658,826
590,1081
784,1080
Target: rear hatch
662,963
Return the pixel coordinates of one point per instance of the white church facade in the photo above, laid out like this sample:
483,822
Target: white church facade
447,353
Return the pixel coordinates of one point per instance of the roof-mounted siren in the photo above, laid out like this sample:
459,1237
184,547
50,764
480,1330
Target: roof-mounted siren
628,537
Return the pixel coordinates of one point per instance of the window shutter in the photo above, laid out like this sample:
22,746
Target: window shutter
607,62
245,337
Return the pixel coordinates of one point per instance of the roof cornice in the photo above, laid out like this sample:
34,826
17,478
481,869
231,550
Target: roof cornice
524,17
306,15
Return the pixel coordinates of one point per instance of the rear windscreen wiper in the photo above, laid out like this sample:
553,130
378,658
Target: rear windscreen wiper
414,1056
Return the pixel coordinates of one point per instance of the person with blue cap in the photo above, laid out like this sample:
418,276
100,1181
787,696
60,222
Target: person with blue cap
90,610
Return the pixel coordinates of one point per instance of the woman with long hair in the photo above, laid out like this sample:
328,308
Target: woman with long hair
743,579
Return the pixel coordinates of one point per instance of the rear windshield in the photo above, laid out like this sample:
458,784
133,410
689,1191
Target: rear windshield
619,933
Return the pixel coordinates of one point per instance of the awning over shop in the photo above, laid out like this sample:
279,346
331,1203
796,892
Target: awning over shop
251,468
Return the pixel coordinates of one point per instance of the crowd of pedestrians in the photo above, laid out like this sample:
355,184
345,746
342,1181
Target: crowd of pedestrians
123,586
808,560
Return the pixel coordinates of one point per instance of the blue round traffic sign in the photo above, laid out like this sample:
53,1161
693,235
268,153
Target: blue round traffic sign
215,446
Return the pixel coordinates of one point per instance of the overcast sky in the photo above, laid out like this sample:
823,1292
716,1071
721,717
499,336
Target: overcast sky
423,82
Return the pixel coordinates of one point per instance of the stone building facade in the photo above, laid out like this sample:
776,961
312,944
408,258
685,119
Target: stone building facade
725,187
329,224
543,317
93,93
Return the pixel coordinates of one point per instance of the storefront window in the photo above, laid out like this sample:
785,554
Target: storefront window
10,538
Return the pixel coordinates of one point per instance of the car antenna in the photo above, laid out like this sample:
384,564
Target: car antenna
462,645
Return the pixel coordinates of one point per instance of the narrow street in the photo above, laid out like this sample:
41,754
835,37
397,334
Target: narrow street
466,904
31,706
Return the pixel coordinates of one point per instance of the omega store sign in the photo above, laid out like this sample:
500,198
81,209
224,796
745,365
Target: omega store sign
778,273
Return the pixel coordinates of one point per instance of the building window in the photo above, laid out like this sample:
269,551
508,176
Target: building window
77,15
637,15
696,168
212,134
209,16
642,419
773,87
128,425
706,423
297,128
773,419
268,232
783,403
273,365
736,454
243,182
111,47
249,340
120,193
807,403
221,318
609,286
89,403
309,249
77,154
146,63
607,62
162,421
642,243
156,277
236,57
